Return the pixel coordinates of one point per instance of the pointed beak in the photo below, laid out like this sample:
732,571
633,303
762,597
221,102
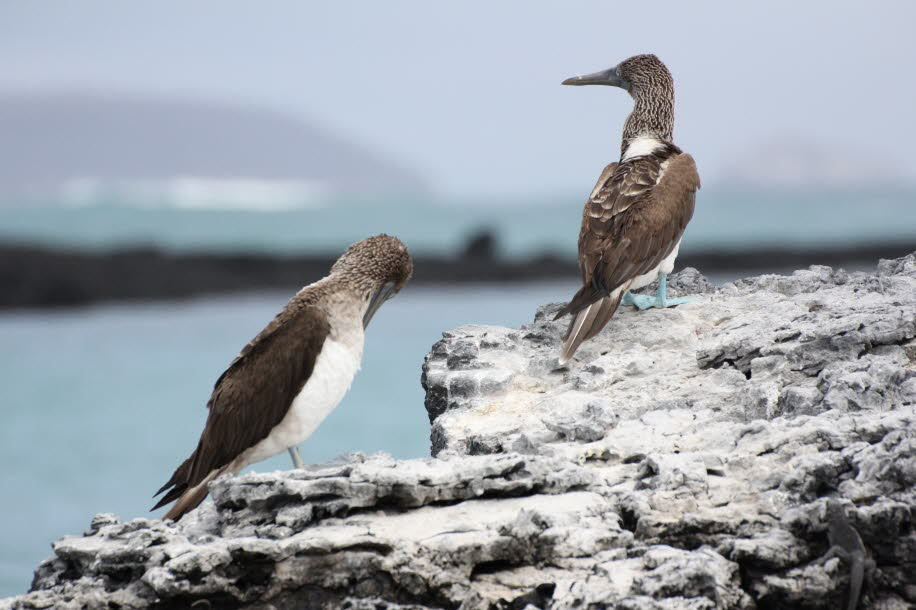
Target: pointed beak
385,292
608,77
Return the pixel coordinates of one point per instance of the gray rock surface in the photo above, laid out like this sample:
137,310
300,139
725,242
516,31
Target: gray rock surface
682,459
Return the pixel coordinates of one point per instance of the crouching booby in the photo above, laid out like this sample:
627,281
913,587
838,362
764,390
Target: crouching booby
293,373
635,216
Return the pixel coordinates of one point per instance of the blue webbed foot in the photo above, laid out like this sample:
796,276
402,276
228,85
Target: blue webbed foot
673,302
640,301
660,300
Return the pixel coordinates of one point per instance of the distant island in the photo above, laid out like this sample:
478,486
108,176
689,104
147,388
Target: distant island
74,144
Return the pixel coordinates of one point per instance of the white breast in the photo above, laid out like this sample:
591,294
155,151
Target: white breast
640,146
334,370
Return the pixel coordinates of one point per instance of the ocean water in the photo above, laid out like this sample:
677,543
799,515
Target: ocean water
99,405
523,226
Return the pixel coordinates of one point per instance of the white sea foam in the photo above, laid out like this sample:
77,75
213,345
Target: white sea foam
195,192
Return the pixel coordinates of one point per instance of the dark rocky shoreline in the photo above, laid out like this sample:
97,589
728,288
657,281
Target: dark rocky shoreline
34,276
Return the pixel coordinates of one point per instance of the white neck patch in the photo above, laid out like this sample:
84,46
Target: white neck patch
640,146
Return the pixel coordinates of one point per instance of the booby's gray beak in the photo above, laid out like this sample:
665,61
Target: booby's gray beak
608,77
385,292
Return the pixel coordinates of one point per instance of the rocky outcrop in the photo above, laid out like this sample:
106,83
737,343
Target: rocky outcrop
683,459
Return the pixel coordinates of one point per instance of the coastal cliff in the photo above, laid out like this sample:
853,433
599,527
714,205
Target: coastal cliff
683,459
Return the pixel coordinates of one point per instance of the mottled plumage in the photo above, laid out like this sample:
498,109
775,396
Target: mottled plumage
289,377
635,217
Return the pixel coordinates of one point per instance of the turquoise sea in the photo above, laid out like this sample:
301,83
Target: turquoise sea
724,219
100,404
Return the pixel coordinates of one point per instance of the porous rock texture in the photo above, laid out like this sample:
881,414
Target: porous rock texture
682,459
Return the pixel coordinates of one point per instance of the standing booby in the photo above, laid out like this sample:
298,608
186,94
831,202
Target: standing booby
293,373
635,216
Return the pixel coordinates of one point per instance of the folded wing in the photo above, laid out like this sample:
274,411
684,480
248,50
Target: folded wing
633,219
249,399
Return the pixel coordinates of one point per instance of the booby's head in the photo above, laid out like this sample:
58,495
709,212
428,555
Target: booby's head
375,268
638,75
650,84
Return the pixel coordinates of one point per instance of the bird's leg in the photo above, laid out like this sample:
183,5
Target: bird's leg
297,459
660,297
644,301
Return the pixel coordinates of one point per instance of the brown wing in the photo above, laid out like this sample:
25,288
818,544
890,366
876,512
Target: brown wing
631,222
254,393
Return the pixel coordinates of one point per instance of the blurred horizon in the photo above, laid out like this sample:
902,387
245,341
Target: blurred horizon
761,100
83,151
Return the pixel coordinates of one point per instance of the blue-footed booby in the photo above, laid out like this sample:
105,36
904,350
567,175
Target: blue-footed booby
293,373
635,216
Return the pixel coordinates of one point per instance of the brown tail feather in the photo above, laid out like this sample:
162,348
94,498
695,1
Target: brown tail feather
608,307
173,495
178,484
582,299
589,323
192,498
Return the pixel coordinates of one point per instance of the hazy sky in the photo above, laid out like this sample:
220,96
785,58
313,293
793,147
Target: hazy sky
469,92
